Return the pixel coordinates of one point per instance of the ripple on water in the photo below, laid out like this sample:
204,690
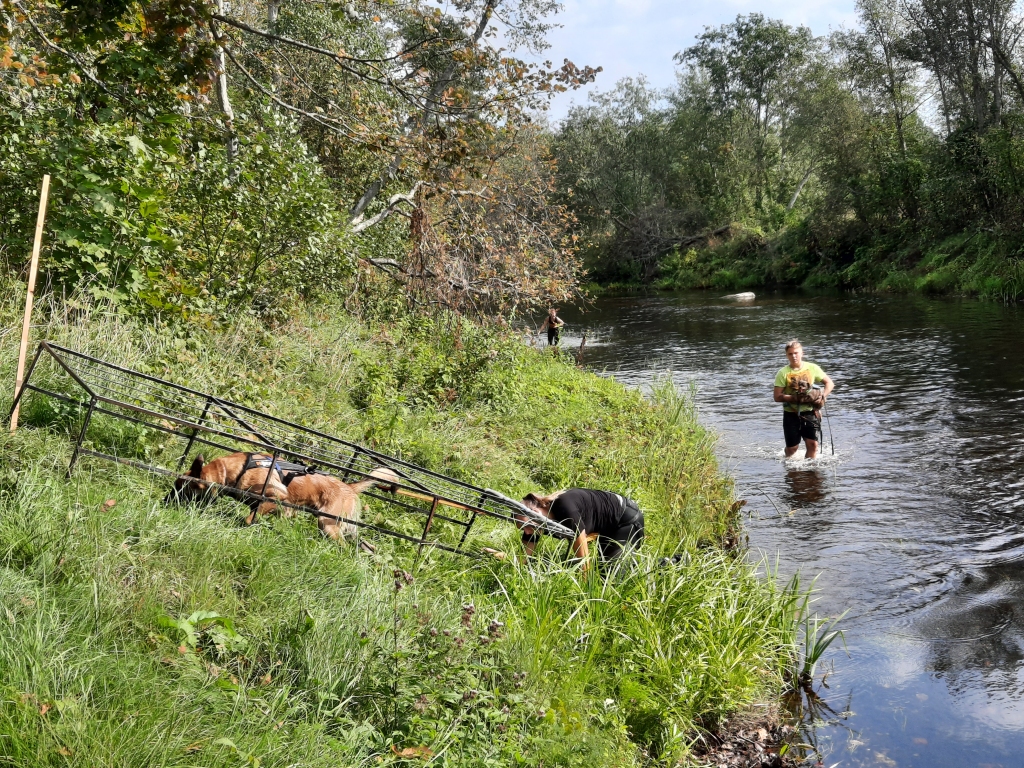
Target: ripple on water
915,525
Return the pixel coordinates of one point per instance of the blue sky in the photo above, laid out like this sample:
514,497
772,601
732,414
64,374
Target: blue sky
633,37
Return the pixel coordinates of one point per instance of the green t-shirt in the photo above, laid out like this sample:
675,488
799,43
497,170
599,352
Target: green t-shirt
787,378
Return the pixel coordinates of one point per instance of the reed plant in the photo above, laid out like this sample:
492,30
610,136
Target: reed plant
133,633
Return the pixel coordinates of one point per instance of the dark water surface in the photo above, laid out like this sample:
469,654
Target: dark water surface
916,525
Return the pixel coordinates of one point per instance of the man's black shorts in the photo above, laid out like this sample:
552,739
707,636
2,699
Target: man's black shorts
800,426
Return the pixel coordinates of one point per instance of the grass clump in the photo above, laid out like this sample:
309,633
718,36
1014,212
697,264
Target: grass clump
133,633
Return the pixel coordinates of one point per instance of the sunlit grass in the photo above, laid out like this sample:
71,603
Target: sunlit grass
336,658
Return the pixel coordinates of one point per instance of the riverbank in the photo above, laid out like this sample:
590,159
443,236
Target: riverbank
309,653
979,263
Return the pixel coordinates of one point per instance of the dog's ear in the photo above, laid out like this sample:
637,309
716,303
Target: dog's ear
196,470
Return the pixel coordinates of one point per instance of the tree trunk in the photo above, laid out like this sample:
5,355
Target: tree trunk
799,188
231,138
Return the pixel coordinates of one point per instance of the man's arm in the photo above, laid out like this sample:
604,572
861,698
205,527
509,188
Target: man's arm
581,549
829,384
781,397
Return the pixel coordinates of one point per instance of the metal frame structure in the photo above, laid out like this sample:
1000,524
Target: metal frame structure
204,419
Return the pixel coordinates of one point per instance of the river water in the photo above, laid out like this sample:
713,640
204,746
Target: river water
915,526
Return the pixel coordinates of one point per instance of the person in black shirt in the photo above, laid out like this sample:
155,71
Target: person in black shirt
553,325
615,520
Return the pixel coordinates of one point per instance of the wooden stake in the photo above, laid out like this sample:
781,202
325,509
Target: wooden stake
33,269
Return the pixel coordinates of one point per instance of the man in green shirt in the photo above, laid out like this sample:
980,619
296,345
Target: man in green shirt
802,388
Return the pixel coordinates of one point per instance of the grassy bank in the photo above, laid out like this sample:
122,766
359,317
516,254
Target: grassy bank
980,263
133,633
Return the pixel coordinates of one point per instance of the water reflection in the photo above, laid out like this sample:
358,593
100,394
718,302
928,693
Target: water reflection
915,525
804,486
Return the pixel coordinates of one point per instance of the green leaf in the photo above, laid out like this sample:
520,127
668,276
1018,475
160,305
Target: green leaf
138,146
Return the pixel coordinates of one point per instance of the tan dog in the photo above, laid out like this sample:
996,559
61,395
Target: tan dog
248,472
236,471
337,499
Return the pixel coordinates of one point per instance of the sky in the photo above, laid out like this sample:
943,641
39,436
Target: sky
633,37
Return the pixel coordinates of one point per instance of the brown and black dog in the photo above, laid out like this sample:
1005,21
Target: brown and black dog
247,472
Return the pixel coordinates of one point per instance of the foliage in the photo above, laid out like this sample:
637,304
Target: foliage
148,213
500,246
616,169
853,156
241,158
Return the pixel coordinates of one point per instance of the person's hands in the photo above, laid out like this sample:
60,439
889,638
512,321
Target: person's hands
815,397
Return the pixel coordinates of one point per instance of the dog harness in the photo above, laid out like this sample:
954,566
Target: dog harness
287,470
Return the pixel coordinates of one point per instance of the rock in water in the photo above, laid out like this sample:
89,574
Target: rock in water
747,296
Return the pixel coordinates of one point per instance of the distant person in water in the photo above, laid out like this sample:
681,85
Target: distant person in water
553,325
802,388
616,520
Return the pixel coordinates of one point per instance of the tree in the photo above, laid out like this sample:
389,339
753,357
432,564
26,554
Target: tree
753,67
500,245
402,102
616,169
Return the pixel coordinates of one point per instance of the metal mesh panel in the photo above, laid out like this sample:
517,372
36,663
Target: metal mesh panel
103,388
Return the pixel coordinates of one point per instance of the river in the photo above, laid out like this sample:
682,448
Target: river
916,524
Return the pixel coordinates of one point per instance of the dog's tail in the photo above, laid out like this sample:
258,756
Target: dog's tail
382,477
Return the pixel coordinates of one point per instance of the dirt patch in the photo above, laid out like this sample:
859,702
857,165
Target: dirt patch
752,739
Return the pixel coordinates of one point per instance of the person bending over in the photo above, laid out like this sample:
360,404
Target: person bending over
615,520
553,325
802,388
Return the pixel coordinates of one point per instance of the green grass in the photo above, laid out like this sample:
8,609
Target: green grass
143,634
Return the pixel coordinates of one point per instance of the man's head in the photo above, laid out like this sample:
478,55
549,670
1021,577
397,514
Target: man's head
795,353
539,505
552,313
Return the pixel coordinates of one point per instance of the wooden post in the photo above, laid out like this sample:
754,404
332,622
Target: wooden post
32,270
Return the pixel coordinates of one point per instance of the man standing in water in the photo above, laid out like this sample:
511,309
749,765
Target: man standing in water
802,388
553,325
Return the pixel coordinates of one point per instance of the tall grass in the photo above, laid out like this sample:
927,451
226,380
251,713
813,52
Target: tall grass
137,634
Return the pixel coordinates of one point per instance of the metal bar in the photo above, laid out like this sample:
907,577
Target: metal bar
433,497
81,437
67,368
249,427
270,471
465,533
380,458
410,507
487,505
108,364
182,422
227,404
192,439
351,463
426,528
24,383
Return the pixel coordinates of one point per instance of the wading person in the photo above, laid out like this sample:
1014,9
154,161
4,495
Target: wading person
802,387
553,325
616,520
